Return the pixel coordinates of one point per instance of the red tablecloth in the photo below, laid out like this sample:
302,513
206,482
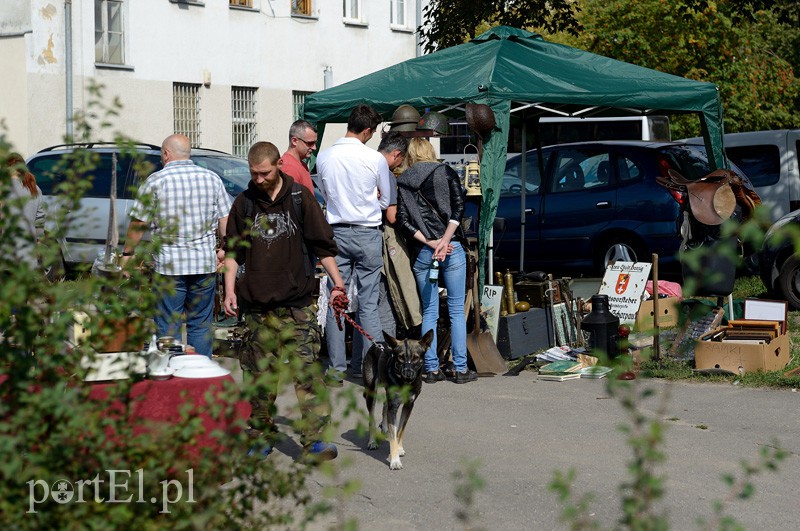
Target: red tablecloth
161,401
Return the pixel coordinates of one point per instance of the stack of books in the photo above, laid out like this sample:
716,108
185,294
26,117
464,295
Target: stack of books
560,370
595,371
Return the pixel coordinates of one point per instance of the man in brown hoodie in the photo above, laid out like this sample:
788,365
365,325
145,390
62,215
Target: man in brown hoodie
276,229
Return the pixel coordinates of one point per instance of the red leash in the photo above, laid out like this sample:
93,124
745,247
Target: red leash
340,305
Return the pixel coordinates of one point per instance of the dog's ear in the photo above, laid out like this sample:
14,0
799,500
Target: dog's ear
392,342
427,339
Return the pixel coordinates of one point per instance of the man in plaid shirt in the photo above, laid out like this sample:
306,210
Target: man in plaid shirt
183,204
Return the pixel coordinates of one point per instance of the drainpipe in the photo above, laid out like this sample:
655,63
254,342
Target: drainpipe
68,64
419,23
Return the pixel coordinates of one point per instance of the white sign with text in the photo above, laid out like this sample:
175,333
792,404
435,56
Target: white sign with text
624,283
490,307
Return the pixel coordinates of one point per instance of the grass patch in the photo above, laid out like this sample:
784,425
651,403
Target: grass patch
750,286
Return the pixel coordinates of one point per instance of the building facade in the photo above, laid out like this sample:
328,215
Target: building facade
226,75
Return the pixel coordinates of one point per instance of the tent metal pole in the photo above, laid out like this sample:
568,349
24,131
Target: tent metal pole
490,254
523,197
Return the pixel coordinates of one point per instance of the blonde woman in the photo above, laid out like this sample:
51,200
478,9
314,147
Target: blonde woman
429,208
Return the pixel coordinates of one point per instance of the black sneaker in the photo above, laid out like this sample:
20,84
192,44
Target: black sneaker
466,376
434,376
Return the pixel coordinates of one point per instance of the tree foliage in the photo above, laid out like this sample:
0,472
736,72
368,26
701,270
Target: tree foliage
451,22
55,433
749,48
714,43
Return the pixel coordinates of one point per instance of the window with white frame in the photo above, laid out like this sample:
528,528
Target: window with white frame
302,7
109,32
399,14
353,11
186,111
298,101
243,119
241,3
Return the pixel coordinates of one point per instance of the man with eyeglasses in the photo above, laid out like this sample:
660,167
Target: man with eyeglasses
302,142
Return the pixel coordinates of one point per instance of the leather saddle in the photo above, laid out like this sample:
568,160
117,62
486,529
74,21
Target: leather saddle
713,197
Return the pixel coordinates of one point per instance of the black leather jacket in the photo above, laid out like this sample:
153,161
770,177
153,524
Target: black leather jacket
433,221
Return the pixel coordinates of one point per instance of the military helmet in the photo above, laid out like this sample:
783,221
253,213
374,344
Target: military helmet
405,118
480,118
436,122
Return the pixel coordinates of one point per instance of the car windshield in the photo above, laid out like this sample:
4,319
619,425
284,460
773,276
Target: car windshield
235,172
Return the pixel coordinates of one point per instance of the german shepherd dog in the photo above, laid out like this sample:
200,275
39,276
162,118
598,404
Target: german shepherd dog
397,366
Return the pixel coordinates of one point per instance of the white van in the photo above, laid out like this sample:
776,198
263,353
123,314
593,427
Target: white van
769,158
560,130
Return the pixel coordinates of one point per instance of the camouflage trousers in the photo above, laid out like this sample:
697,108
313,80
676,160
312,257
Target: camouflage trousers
279,345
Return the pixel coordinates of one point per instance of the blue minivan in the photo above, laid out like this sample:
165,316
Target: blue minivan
595,203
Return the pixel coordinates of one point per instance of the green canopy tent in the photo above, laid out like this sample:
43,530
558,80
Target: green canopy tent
518,72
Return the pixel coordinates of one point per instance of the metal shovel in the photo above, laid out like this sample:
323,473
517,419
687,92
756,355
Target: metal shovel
480,345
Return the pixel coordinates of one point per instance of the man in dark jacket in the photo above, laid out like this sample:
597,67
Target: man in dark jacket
275,229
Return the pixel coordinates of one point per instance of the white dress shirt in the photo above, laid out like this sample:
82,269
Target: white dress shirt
352,174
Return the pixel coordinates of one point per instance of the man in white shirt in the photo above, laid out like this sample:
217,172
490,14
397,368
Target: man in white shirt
357,185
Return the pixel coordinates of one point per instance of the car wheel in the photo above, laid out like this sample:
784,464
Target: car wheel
617,250
789,281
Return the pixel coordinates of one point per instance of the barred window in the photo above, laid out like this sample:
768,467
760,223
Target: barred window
243,107
186,111
301,7
109,36
298,101
241,3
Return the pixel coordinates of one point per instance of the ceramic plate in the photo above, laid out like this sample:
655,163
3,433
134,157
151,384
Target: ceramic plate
202,372
191,360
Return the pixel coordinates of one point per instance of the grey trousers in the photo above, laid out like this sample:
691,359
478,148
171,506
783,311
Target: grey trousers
359,260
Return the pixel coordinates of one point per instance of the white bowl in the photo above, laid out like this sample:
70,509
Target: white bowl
165,374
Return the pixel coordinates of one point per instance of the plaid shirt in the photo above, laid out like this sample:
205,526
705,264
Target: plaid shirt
183,204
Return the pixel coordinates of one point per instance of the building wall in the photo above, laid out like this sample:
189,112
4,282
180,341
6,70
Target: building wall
14,88
169,42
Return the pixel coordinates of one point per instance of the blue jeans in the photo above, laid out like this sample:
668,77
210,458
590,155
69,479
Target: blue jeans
194,294
360,260
454,272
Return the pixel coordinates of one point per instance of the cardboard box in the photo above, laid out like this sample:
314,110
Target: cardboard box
668,311
743,356
740,358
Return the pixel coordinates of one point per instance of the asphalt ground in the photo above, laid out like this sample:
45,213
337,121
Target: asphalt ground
520,430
